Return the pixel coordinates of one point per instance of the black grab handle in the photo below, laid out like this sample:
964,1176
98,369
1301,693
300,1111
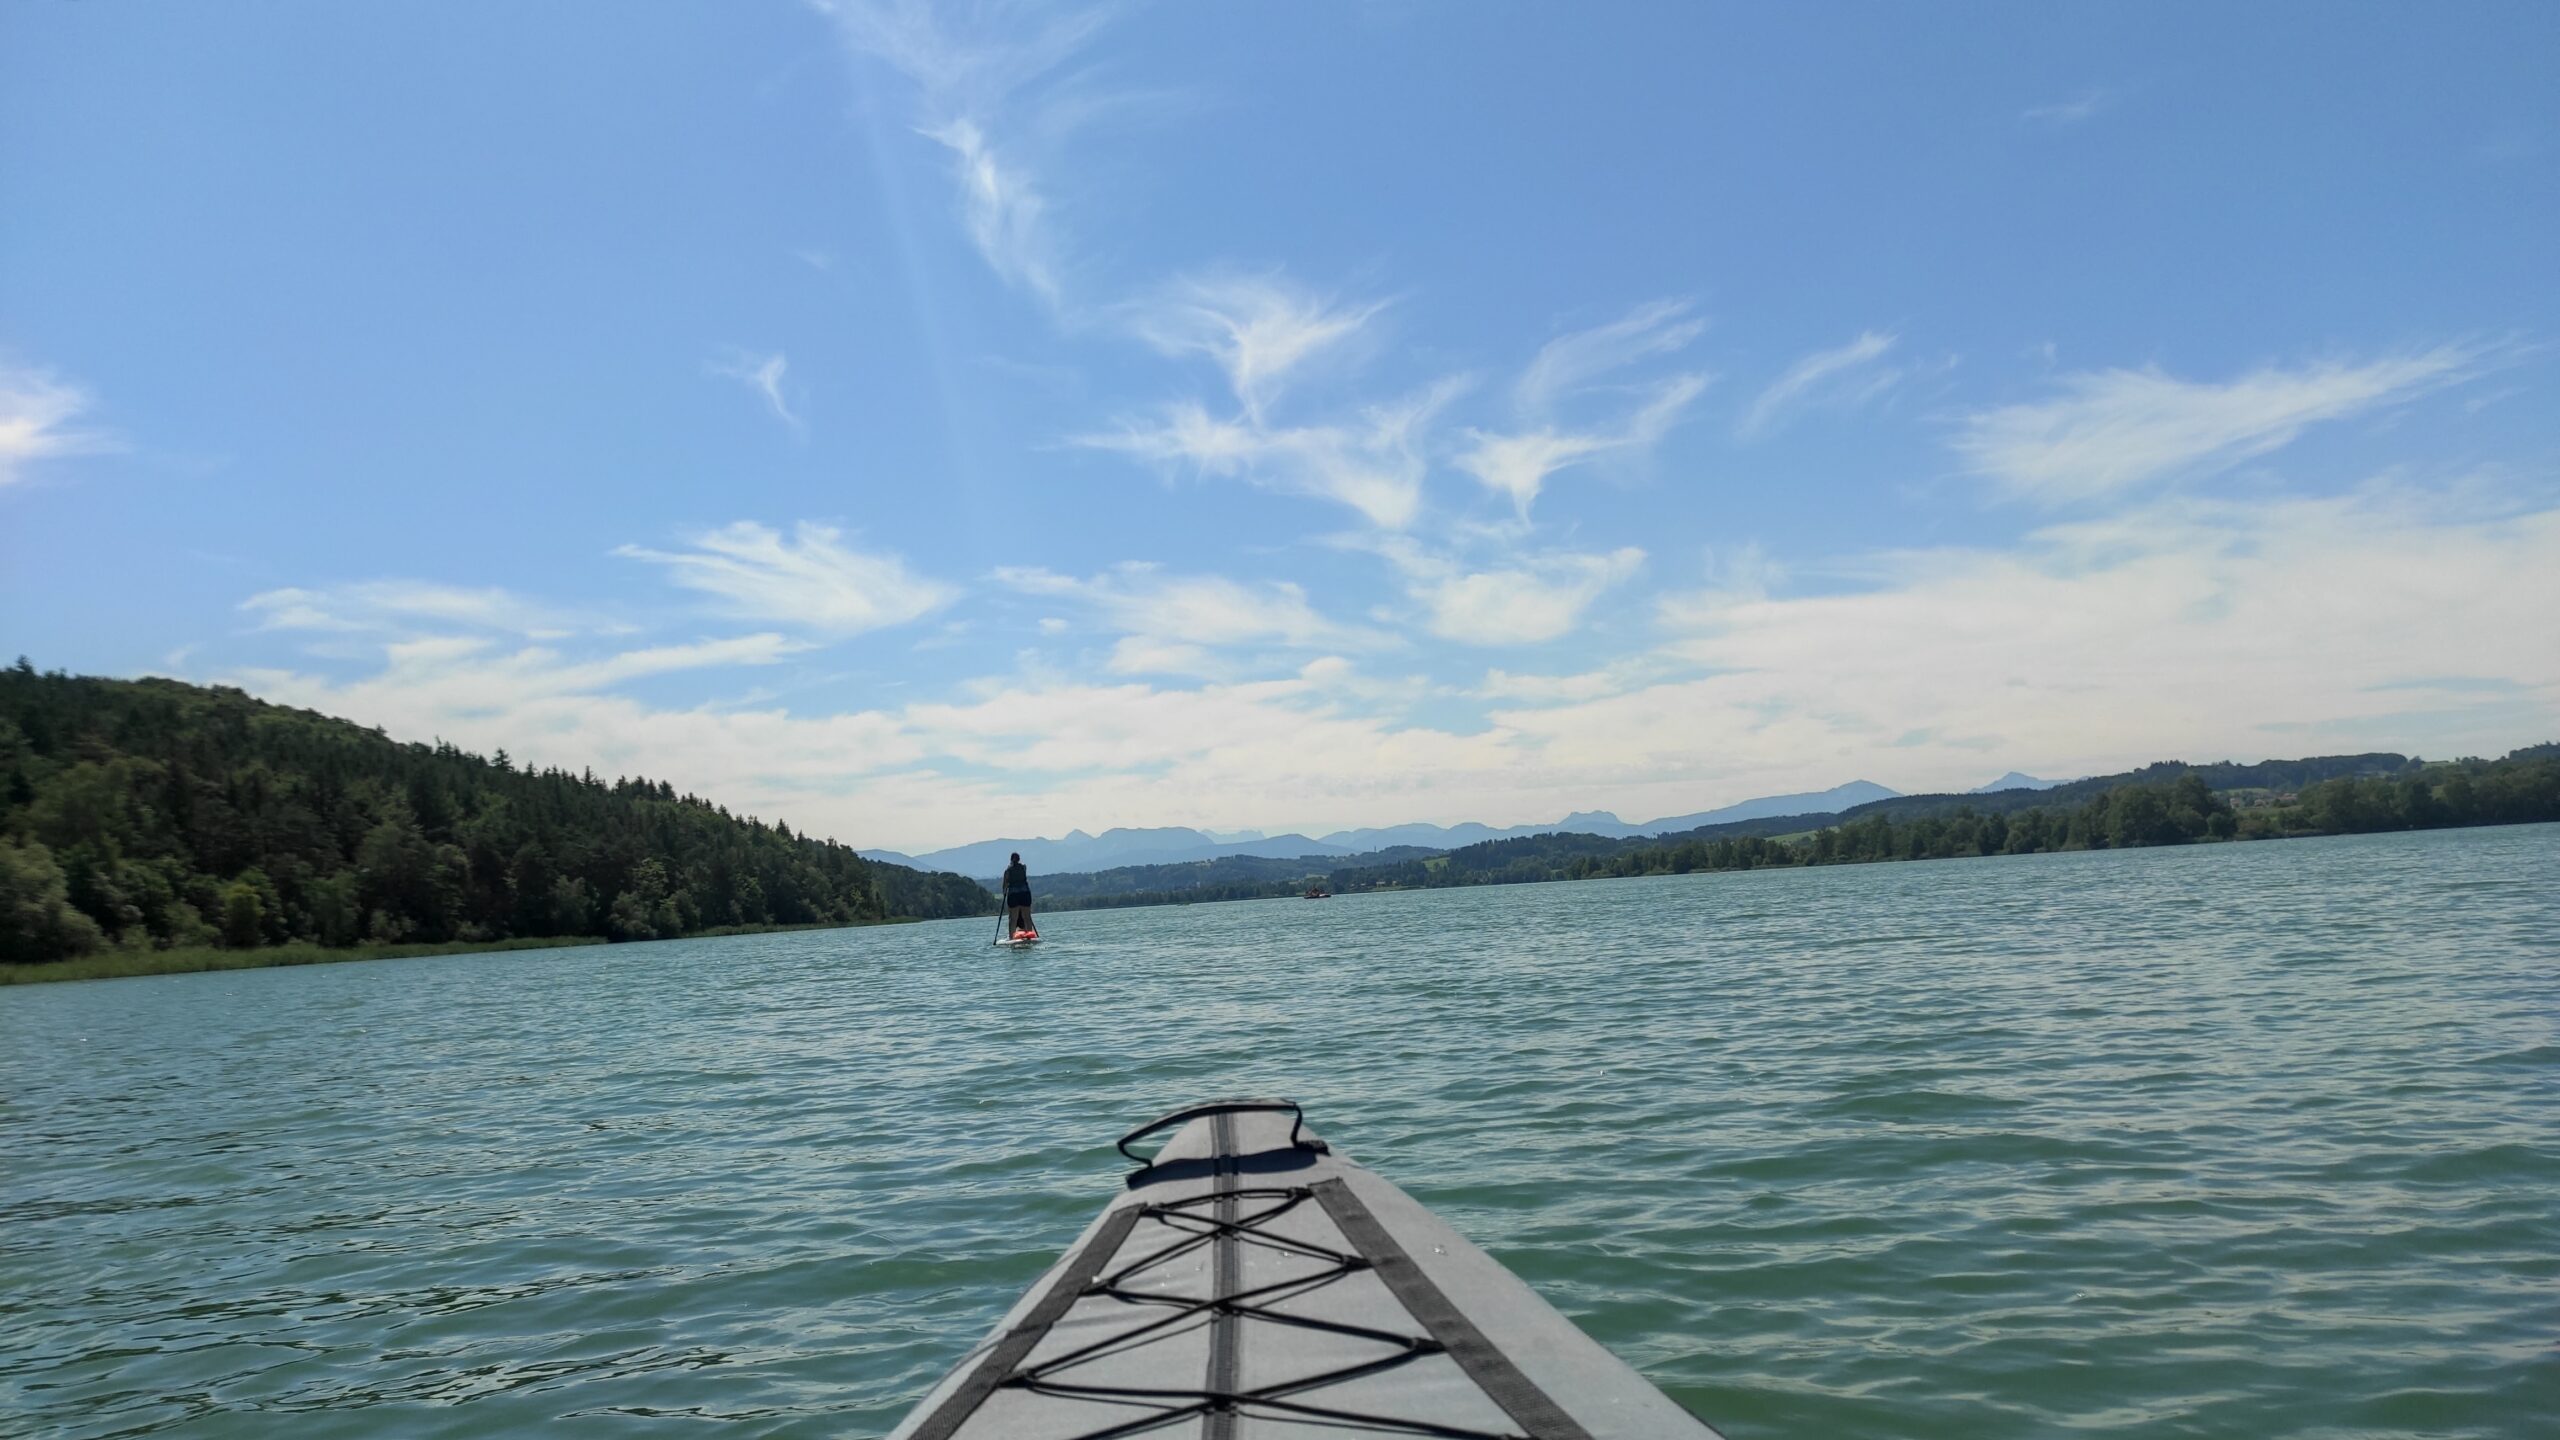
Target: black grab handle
1214,1107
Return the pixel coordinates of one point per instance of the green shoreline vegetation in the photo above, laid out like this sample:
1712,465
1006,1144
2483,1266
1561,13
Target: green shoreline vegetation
123,964
154,827
2523,788
150,826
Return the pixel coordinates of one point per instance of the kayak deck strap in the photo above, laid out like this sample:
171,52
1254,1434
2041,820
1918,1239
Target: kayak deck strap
1226,1330
1484,1362
1213,1219
1000,1362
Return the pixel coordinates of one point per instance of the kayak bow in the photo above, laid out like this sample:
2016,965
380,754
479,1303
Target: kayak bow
1252,1284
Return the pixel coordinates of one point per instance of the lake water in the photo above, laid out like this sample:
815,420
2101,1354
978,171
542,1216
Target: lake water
2253,1141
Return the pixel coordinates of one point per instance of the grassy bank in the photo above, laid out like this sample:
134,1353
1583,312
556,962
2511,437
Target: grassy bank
115,964
717,930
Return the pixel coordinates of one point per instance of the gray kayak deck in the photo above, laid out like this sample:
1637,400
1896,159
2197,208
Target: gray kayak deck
1251,1284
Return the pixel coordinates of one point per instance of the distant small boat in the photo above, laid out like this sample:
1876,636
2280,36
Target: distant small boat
1317,892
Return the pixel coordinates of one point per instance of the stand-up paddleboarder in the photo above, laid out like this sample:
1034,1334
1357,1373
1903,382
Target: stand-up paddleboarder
1017,895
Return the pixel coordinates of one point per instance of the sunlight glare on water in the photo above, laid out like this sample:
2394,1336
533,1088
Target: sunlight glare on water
2228,1141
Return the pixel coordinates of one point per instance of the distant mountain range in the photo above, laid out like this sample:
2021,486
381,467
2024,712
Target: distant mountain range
1553,851
1603,823
2015,781
1113,848
1077,851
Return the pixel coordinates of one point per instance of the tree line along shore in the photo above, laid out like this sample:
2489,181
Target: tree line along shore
151,826
2165,804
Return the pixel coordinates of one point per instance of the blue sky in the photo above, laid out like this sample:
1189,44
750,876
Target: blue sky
929,423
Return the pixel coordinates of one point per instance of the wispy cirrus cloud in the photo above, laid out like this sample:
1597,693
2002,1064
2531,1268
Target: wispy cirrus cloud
1570,362
2115,430
2069,112
1517,464
409,606
1376,459
809,580
37,408
1003,210
1371,460
974,69
1145,600
762,374
1257,328
1850,375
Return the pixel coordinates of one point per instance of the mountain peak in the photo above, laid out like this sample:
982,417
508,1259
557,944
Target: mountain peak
2014,780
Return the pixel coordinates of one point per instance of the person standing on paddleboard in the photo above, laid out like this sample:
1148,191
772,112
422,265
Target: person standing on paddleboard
1017,893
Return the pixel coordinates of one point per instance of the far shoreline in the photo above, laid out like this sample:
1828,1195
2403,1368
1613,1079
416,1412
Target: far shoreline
199,959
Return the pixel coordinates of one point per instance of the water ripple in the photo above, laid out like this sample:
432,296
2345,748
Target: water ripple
2244,1141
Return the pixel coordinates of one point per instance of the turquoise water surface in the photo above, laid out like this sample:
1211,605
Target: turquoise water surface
2255,1140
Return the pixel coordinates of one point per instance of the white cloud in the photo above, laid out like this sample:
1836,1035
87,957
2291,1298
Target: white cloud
2184,628
1372,462
1570,362
2069,112
2118,429
810,581
1256,328
1846,376
1517,465
1010,752
1141,600
1533,599
968,58
1147,655
972,67
409,605
1002,208
470,673
36,410
762,374
1611,679
1735,575
2382,620
764,649
293,608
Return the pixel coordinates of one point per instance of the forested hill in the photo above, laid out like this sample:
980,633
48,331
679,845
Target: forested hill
150,813
2170,803
2352,799
2273,777
2266,781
